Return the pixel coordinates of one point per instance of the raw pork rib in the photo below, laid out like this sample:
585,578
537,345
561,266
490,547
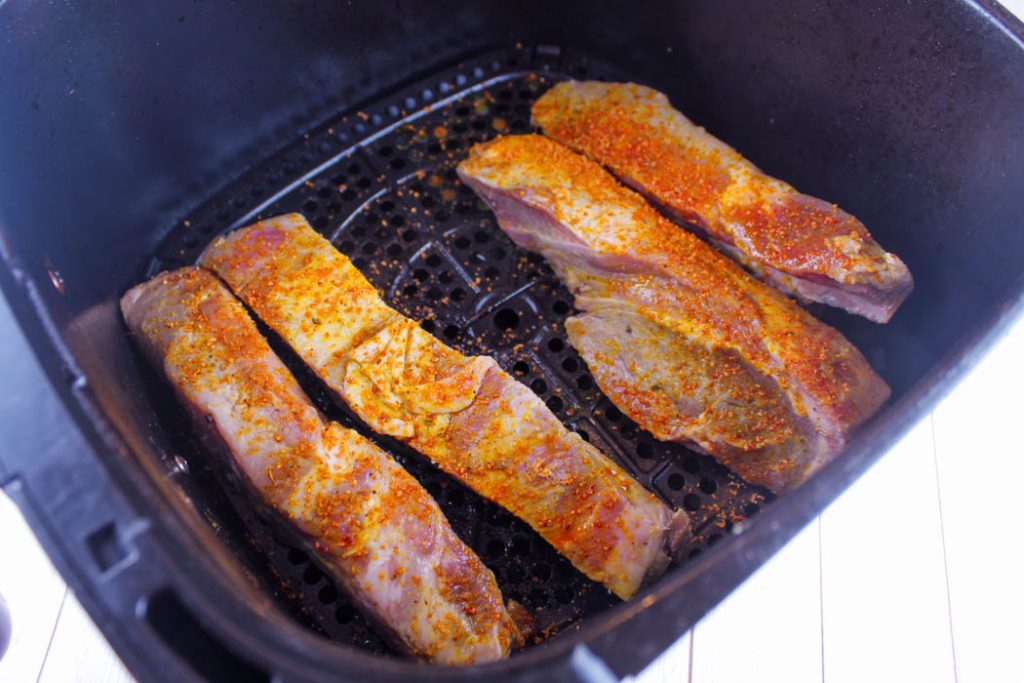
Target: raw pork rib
464,413
679,337
800,244
387,542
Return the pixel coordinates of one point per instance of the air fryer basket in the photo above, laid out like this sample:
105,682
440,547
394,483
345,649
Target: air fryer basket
178,123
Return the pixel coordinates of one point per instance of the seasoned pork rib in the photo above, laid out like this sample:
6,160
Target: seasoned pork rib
800,244
464,413
386,540
679,337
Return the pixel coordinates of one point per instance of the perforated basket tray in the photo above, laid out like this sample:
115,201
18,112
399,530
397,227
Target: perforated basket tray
381,185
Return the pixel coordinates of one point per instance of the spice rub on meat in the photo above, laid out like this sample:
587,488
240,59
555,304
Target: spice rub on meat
377,530
798,243
466,414
678,336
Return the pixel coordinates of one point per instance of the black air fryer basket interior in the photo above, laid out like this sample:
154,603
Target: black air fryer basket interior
132,136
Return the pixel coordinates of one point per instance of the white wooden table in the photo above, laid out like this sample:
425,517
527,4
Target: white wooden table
938,597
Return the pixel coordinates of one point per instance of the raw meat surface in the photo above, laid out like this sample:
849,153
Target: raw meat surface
799,244
678,336
382,535
468,416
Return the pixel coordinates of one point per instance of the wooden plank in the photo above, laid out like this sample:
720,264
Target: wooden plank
885,611
770,627
981,466
79,652
34,592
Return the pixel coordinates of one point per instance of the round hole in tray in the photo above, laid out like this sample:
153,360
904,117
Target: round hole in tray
397,163
345,614
462,242
397,220
386,206
327,595
450,331
554,404
570,365
691,464
433,294
421,274
409,235
482,236
446,277
506,319
410,290
394,250
457,294
433,260
369,248
428,326
585,382
556,345
539,386
628,431
560,308
491,272
645,450
521,367
584,434
691,501
498,253
312,575
708,486
613,414
309,206
676,482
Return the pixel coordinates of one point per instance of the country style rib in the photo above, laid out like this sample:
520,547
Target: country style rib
383,537
468,416
679,337
799,244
